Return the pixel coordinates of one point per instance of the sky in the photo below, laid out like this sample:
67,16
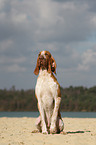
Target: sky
66,28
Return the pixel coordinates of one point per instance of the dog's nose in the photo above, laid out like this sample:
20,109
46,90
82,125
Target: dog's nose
41,57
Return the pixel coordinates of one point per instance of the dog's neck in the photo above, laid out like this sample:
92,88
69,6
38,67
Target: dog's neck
43,68
44,72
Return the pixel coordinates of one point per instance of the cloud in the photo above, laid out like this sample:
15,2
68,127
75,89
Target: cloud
7,60
67,58
10,64
45,22
5,44
88,60
15,68
67,28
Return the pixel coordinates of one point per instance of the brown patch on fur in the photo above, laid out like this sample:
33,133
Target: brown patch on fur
55,80
58,91
36,71
53,67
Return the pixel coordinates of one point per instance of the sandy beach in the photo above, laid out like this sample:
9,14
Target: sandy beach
18,131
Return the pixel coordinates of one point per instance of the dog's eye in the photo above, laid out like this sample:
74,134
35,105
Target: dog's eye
46,53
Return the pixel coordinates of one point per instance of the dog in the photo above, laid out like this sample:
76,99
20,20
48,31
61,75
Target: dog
47,92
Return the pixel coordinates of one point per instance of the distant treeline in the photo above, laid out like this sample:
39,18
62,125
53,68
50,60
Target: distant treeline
73,99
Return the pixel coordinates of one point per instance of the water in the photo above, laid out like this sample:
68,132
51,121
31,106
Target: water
36,114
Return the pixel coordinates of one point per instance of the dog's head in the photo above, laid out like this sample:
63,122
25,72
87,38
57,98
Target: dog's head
45,61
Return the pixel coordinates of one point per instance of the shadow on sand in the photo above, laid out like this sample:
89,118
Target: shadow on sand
74,132
64,133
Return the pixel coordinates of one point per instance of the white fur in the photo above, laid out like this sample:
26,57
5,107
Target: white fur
46,91
43,52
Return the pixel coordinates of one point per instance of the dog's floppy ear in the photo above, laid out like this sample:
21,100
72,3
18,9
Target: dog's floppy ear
49,66
52,65
36,71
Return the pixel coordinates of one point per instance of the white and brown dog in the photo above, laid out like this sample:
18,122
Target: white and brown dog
47,92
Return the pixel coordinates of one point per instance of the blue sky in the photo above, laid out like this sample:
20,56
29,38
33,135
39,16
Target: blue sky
66,28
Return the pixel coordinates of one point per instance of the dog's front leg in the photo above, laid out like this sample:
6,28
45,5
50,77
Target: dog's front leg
53,128
42,116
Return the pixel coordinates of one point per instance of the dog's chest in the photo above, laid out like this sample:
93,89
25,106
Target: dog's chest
46,87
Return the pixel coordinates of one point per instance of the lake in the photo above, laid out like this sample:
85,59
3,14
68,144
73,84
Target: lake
36,114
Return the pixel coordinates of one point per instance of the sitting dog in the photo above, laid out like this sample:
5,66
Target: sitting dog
47,92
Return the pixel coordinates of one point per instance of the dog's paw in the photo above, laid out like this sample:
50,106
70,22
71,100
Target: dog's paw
53,130
45,132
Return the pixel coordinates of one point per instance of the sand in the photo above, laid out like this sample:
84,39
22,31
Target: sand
18,131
